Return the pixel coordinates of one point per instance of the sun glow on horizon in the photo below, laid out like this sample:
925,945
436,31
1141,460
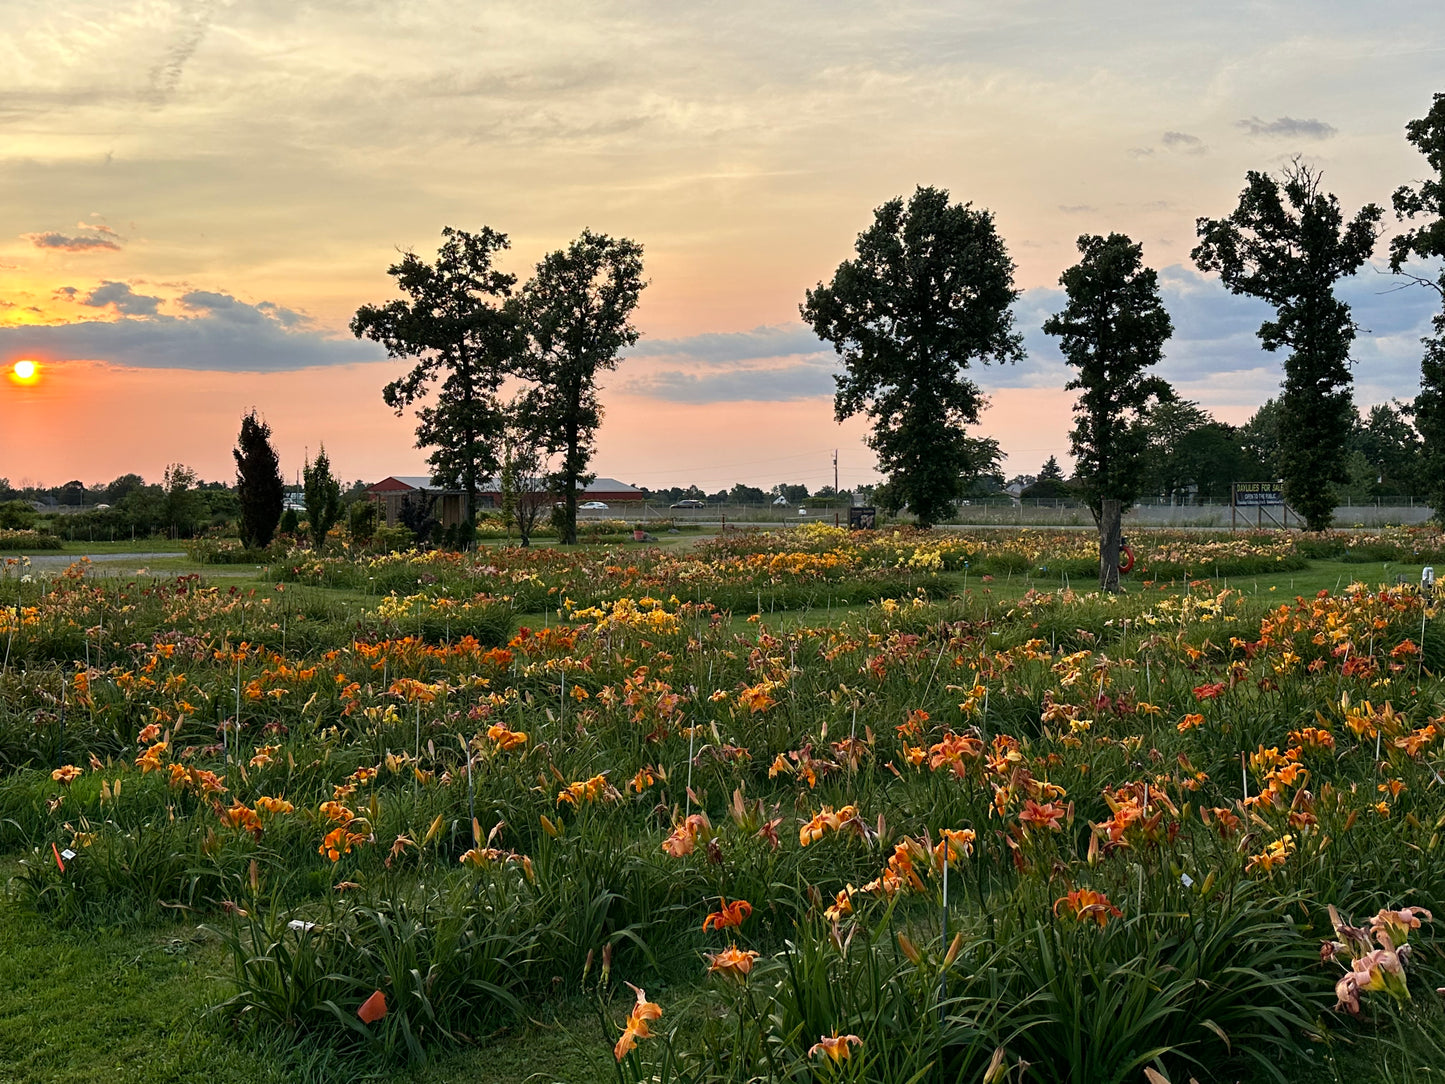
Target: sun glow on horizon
25,371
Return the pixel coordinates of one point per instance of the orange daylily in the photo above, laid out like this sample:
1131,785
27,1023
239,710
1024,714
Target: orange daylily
728,915
637,1020
1088,906
733,962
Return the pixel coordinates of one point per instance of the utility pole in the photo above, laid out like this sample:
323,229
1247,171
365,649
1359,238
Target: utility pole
835,473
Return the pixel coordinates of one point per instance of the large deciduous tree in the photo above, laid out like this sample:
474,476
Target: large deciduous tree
1289,244
577,314
929,292
258,482
455,322
1427,241
322,493
1112,330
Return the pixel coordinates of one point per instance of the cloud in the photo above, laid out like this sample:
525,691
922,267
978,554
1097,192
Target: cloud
121,296
1077,208
1183,142
794,380
98,227
165,77
221,334
1287,128
776,363
52,239
227,309
775,341
1214,355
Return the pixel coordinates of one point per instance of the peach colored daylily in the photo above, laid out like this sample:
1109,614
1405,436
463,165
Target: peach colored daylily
1398,924
684,837
733,962
835,1046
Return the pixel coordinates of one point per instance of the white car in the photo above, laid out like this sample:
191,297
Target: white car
593,506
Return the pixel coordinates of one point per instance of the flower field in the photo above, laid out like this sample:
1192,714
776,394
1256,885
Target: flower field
795,806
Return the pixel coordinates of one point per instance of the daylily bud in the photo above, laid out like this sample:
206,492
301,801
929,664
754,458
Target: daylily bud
910,950
997,1067
953,950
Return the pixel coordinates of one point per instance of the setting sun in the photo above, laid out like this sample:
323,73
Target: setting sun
25,371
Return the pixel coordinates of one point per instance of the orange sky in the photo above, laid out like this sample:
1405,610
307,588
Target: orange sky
195,197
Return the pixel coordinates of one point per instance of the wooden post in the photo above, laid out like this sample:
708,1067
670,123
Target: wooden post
1109,547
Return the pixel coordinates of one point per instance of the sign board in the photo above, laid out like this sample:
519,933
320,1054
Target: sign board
1258,494
862,518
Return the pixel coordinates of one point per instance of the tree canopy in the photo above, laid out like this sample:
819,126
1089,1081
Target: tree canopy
258,483
455,322
576,315
1427,241
322,493
1112,330
929,293
1288,243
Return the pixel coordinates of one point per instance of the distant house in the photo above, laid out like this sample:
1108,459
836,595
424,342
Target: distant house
451,507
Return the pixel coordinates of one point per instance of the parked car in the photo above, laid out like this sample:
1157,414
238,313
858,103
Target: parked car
690,502
593,506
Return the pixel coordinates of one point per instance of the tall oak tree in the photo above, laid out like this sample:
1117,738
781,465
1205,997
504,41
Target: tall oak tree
929,293
1288,243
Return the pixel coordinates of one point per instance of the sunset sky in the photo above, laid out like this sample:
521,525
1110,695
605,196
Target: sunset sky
196,195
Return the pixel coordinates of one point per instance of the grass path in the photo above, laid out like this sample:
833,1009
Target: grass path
117,1006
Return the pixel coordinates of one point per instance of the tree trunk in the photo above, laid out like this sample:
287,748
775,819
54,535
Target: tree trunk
1109,547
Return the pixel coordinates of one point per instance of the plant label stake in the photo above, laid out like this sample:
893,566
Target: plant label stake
471,793
691,737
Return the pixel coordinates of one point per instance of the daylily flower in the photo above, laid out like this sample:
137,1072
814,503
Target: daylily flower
504,738
728,915
1048,815
637,1020
683,840
958,842
842,905
66,775
150,760
733,962
835,1046
1088,906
